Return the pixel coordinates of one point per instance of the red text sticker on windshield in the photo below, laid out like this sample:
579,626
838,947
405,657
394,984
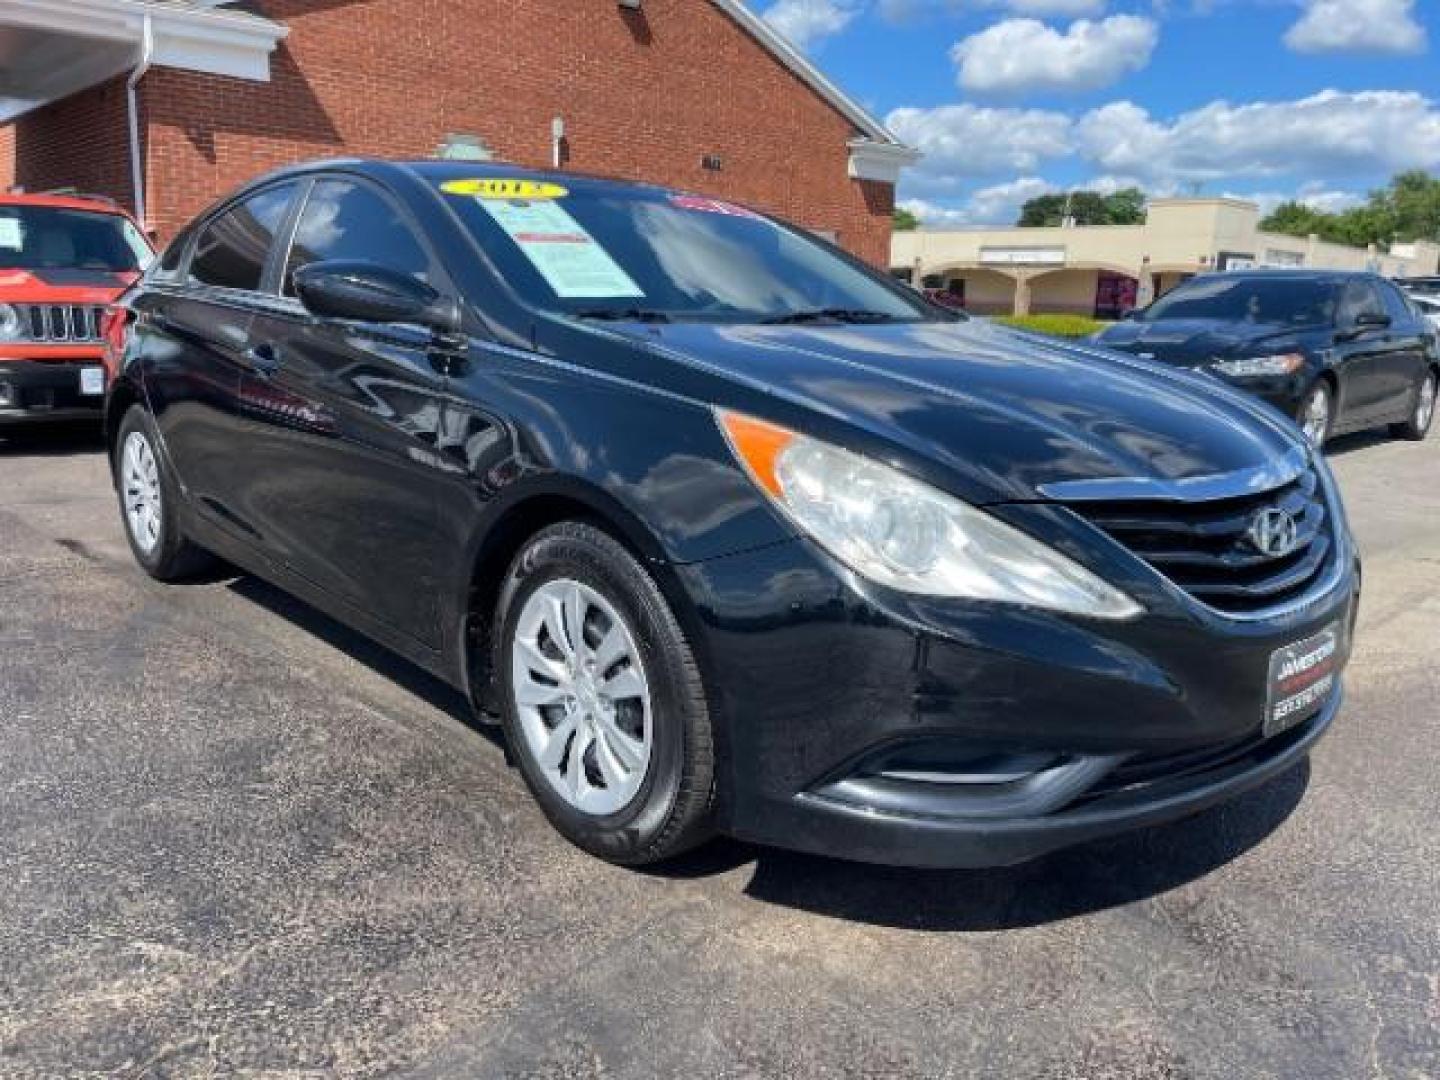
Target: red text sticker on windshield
710,206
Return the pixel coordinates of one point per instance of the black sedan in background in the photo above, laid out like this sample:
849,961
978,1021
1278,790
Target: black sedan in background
1336,351
730,531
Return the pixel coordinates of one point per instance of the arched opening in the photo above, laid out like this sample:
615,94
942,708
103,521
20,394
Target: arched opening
1095,291
976,289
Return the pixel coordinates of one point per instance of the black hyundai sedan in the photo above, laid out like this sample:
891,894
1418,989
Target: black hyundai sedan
730,532
1337,352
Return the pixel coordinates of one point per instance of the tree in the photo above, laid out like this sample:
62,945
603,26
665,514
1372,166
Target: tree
1124,207
905,220
1295,219
1408,208
1414,200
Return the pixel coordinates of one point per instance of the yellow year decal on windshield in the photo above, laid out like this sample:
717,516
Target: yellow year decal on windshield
498,188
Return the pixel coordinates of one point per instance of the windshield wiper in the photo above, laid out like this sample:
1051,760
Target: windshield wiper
836,314
631,314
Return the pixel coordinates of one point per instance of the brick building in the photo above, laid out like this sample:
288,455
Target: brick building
166,104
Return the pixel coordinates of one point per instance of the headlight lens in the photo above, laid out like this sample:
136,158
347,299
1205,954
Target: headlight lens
9,323
906,535
1255,366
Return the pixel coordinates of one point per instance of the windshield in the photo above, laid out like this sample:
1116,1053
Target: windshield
49,237
1283,301
613,252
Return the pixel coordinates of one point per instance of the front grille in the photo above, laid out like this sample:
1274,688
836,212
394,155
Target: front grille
61,322
1204,547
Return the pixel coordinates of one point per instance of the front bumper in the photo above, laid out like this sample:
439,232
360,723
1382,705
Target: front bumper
38,391
816,676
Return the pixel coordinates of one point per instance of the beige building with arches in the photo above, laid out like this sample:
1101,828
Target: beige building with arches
1104,270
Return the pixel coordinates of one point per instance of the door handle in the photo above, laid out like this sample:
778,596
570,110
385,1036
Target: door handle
263,360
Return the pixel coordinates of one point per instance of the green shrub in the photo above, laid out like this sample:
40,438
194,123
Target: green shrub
1068,326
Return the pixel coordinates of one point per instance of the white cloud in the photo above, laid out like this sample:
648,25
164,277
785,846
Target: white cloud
934,216
1019,56
806,22
972,140
1331,202
998,204
1328,134
1065,8
908,10
1313,195
1357,26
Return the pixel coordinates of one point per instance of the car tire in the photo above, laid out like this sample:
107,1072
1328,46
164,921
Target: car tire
1422,412
610,727
1316,414
150,503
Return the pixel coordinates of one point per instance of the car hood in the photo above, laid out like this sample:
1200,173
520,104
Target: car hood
1001,414
62,285
1191,342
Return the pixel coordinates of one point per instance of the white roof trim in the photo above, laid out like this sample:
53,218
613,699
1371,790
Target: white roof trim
187,36
880,161
808,73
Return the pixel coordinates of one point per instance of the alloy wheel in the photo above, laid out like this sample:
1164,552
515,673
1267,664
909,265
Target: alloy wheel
140,477
582,697
1315,422
1425,403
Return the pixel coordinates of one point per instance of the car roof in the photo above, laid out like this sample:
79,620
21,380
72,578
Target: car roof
435,172
1294,274
94,203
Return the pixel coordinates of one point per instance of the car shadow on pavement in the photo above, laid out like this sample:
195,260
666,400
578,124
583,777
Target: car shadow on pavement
389,665
57,440
1076,881
1359,440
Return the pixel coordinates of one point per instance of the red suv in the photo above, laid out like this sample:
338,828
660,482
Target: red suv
62,261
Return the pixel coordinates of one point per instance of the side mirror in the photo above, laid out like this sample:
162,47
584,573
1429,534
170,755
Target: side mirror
1363,322
367,292
1129,314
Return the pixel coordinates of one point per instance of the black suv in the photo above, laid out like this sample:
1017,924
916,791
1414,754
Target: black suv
731,532
1336,351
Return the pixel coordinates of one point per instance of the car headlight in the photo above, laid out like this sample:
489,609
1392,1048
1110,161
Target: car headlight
907,535
1254,366
9,323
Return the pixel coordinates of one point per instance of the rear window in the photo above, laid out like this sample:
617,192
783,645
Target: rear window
231,251
1277,301
52,238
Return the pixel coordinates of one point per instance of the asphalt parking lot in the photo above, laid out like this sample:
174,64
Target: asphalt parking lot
237,839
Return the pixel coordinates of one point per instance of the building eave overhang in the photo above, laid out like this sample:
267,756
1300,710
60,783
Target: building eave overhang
870,160
108,36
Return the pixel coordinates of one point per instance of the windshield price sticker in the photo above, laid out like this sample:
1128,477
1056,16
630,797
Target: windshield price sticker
570,260
502,188
12,237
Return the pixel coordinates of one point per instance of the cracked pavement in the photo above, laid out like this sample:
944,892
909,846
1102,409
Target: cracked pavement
237,839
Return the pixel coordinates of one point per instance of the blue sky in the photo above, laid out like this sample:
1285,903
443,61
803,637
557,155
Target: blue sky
1317,99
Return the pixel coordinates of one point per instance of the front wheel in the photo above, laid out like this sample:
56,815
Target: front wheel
602,701
149,504
1422,413
1315,414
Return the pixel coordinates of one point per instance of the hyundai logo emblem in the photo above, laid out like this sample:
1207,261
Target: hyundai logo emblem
1273,532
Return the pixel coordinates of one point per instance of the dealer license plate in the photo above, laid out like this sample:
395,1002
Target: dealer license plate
1302,676
92,381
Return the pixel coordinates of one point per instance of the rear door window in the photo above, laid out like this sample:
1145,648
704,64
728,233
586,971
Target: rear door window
1360,300
1395,305
231,251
